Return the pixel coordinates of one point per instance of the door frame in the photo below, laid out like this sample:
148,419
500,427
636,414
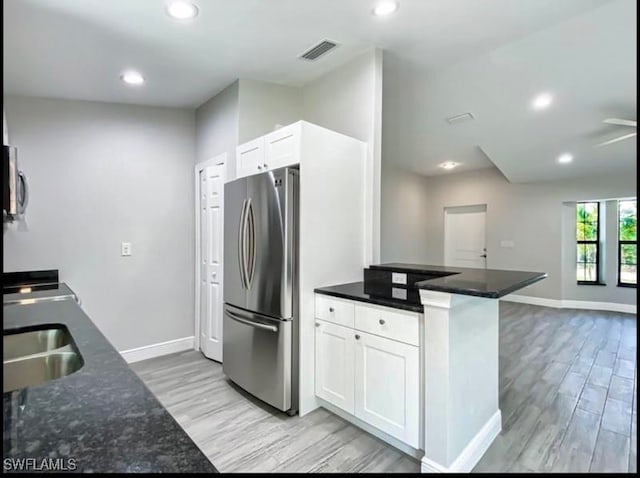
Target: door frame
220,159
468,208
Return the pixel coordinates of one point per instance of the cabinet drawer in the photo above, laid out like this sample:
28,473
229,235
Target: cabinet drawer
334,310
386,322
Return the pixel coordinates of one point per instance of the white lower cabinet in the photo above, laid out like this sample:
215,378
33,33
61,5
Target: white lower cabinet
387,393
334,364
372,377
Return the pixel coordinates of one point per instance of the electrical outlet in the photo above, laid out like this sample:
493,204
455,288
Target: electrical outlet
398,278
125,249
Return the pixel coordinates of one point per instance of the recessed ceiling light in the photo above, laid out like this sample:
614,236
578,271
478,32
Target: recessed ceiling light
449,165
386,7
565,158
132,78
182,10
542,101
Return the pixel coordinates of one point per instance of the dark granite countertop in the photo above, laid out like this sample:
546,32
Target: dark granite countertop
490,283
376,294
102,416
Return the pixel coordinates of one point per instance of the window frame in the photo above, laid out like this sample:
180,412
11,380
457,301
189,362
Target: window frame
595,242
625,242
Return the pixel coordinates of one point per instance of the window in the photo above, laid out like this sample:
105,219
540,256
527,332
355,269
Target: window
587,240
627,243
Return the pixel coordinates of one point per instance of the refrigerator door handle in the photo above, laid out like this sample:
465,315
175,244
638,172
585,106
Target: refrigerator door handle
251,263
237,318
241,245
24,197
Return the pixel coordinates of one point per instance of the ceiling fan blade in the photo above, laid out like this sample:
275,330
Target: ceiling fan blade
619,138
620,122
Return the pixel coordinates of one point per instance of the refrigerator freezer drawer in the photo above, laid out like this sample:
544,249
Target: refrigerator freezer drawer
258,354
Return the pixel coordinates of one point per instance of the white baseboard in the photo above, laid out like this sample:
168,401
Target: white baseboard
472,453
157,350
571,304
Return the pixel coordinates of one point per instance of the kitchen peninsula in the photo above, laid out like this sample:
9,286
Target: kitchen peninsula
447,321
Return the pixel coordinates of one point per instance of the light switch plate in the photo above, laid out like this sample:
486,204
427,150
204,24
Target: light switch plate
398,278
125,249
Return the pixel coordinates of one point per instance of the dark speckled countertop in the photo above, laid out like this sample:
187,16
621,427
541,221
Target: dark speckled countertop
102,416
490,283
377,288
377,294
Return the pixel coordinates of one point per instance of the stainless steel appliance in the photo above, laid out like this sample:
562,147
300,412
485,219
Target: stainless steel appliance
260,339
15,189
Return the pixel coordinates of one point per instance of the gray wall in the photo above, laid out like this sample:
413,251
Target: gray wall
217,126
263,106
530,215
405,205
403,214
348,99
101,174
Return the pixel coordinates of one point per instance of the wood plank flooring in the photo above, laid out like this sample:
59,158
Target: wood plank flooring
568,397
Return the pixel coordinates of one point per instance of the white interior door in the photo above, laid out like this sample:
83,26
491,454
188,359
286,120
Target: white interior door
211,196
465,236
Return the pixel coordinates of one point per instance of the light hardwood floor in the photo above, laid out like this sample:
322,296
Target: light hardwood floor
567,394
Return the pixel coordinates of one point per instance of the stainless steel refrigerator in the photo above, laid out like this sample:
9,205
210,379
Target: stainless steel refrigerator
260,325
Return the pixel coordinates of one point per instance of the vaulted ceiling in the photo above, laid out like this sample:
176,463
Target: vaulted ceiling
487,57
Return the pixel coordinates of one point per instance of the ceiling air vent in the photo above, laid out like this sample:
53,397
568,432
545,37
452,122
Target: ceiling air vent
318,50
460,118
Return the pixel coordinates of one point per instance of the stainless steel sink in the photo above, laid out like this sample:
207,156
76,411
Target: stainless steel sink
34,342
36,356
37,369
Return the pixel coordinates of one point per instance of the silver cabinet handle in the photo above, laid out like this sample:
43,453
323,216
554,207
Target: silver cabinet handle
317,324
257,325
259,167
381,321
265,166
331,309
357,337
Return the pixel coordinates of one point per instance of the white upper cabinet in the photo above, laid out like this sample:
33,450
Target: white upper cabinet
275,150
282,147
250,158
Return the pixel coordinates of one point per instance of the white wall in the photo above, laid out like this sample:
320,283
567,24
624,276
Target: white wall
263,106
217,126
530,215
101,174
349,100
